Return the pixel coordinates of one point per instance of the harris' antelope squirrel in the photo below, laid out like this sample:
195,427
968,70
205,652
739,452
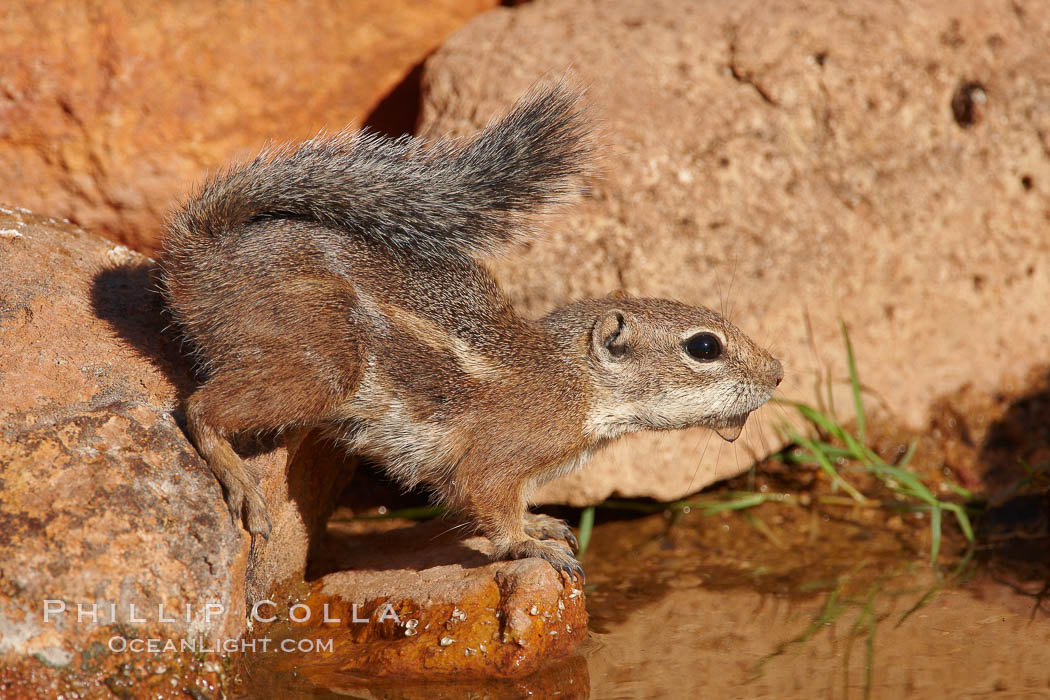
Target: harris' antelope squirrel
334,285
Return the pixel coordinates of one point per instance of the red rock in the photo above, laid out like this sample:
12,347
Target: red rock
110,110
102,500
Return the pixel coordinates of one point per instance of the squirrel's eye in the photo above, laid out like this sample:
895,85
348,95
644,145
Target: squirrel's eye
704,346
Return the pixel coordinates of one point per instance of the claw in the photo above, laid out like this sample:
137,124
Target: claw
264,532
571,539
544,527
252,546
554,552
259,521
235,503
572,571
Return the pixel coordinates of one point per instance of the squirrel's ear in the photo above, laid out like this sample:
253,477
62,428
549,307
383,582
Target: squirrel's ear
611,335
619,294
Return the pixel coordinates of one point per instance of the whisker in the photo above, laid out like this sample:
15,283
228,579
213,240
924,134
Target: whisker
736,454
730,399
783,413
767,440
718,457
752,430
454,527
700,462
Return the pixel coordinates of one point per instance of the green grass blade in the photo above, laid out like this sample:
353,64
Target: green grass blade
908,454
821,421
908,483
741,502
935,533
829,469
941,583
960,491
586,528
854,448
854,382
963,518
763,529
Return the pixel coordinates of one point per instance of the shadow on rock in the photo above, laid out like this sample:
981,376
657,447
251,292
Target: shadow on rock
126,298
1014,531
437,542
1018,444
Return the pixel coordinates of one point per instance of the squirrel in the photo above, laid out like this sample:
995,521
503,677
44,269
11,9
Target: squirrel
337,285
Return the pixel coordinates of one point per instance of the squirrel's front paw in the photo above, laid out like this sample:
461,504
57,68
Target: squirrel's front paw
544,527
555,553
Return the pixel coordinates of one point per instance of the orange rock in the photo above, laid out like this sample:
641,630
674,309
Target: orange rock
111,110
102,500
423,602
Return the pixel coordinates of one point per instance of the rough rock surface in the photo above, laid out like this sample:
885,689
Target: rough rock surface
109,110
796,163
102,499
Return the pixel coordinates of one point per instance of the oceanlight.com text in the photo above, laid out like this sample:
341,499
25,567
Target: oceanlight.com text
154,645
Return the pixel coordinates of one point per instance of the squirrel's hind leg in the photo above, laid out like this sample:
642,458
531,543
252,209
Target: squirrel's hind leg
293,390
243,492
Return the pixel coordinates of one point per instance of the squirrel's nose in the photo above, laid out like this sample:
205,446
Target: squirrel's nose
778,372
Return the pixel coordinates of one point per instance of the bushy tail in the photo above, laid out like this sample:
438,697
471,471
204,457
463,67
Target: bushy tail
473,197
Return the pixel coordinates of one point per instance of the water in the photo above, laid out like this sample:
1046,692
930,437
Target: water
857,613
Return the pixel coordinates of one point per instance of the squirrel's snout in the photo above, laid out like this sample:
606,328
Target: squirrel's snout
777,372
